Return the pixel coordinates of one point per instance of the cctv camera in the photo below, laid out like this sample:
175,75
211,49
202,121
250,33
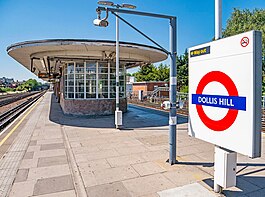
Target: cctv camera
101,23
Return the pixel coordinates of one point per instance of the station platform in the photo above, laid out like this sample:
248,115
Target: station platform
53,155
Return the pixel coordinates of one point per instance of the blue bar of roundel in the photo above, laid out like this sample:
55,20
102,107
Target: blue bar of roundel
238,102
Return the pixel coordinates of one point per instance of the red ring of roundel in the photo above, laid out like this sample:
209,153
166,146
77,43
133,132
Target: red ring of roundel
226,81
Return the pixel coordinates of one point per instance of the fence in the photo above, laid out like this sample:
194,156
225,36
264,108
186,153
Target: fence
155,99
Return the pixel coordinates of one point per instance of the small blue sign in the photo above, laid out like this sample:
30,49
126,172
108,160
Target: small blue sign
230,102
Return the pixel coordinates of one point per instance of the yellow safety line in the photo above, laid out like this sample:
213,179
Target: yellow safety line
10,133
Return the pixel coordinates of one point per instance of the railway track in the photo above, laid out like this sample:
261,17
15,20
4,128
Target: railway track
7,99
8,116
185,111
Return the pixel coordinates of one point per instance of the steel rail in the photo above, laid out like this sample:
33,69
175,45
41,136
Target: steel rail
8,116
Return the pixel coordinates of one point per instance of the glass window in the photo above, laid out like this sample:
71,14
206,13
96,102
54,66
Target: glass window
79,95
70,68
91,77
79,68
91,89
80,80
70,95
91,68
88,95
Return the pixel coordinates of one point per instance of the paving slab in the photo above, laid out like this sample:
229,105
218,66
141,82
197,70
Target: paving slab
52,161
33,148
257,193
68,193
147,168
94,165
33,143
52,146
50,141
131,150
125,160
28,163
22,175
96,155
53,185
22,189
243,187
28,155
47,172
50,153
116,189
88,178
110,175
184,175
190,190
147,184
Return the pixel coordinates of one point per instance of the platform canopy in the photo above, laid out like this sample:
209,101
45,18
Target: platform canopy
45,58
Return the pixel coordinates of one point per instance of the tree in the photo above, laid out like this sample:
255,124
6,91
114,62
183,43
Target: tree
152,73
183,72
28,85
246,20
161,73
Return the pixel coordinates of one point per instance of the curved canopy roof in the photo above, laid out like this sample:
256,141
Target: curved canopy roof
47,56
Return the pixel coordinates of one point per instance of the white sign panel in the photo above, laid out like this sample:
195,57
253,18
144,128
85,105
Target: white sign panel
225,93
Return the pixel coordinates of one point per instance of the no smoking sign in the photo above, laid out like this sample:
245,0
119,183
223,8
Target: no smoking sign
244,41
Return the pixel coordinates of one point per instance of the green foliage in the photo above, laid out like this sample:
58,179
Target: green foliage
161,73
152,73
29,85
7,90
246,20
183,73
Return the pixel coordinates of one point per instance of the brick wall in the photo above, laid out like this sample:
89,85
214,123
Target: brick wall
92,107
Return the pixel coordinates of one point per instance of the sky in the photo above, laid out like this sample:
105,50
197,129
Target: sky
25,20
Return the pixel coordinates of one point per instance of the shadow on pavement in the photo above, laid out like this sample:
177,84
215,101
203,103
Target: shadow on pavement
135,117
246,183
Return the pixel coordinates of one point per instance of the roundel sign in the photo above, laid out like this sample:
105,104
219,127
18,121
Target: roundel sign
233,101
225,80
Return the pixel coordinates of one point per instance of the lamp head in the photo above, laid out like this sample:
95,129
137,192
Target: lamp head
101,23
109,3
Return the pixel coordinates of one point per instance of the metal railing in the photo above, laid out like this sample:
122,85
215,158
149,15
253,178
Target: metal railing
154,100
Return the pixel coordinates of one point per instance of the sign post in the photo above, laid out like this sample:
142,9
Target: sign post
225,100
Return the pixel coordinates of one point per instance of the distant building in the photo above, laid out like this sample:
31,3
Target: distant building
129,84
6,82
149,88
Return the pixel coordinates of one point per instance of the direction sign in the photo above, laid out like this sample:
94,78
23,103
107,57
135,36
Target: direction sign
225,93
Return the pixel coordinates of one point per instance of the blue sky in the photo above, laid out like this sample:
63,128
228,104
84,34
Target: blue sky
22,20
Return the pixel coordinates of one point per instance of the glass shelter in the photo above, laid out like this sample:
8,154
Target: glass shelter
83,71
92,80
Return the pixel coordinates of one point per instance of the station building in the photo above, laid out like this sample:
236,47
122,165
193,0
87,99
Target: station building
83,71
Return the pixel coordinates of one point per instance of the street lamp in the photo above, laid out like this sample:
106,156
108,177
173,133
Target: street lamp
104,23
173,70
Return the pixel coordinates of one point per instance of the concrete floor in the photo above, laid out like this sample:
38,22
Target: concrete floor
70,156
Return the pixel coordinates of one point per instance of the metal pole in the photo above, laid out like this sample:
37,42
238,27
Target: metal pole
218,19
218,35
117,73
172,93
